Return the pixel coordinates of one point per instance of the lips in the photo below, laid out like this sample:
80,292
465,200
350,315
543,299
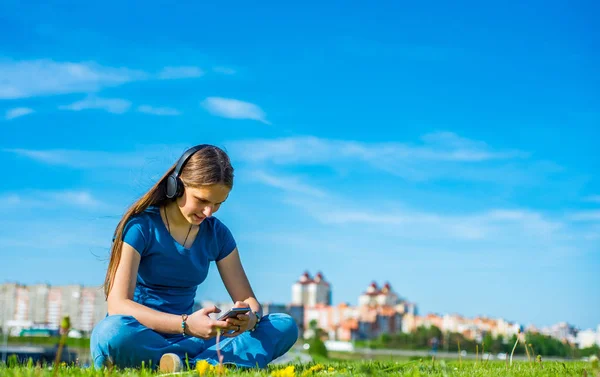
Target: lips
197,218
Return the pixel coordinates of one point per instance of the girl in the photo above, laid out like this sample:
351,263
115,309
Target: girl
161,252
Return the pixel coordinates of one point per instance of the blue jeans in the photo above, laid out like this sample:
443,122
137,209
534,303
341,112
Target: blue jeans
128,343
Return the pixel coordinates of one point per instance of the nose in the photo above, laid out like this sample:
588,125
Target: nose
208,211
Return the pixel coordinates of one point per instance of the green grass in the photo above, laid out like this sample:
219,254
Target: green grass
345,368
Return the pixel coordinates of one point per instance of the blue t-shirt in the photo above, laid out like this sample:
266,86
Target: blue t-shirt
169,274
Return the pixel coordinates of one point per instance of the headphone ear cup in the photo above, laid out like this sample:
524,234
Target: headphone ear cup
172,186
179,187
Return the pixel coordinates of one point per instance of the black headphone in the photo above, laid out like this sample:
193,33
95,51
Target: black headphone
174,184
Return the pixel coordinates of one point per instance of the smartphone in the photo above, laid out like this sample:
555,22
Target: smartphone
233,312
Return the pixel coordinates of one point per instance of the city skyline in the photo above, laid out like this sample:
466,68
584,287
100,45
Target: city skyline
449,150
291,301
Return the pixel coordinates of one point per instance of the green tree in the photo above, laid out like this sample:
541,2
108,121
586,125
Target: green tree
316,344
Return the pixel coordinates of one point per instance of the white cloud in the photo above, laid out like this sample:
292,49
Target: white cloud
51,199
450,146
224,70
438,156
112,105
83,159
77,198
490,229
17,112
585,216
170,73
500,227
158,110
290,184
28,78
234,109
443,147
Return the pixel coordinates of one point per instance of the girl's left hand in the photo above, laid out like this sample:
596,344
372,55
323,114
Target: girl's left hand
244,322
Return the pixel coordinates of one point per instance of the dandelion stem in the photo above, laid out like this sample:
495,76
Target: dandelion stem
513,350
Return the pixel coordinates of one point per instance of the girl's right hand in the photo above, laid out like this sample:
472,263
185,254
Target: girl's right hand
200,325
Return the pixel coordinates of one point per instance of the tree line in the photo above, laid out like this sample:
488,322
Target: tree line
426,338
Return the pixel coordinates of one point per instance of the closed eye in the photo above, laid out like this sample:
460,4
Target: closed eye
204,201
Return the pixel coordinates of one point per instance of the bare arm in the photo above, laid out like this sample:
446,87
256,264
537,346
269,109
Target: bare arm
120,298
236,282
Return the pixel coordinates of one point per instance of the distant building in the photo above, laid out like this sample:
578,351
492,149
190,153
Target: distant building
338,322
38,302
374,321
374,296
562,331
44,306
588,338
311,292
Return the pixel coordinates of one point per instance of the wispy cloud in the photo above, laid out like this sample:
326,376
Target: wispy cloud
509,232
287,183
585,216
153,156
490,224
440,155
17,112
51,199
234,109
28,78
169,73
69,234
83,158
498,230
442,146
224,70
112,105
165,111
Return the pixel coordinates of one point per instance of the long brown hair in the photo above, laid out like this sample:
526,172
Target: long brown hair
208,166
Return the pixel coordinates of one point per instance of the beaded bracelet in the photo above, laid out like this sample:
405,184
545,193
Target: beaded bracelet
257,321
183,319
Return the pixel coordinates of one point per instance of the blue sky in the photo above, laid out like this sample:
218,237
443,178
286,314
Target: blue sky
448,149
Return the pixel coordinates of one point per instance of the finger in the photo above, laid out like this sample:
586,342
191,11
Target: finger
238,331
219,324
241,304
243,317
234,322
211,309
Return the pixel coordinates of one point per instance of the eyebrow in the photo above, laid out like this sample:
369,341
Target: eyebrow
206,200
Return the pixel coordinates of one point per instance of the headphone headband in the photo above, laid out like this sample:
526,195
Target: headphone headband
186,155
174,186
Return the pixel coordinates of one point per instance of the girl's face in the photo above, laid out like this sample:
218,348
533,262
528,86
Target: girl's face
198,203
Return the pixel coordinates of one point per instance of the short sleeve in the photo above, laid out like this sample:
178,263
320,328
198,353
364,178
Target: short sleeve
226,241
135,235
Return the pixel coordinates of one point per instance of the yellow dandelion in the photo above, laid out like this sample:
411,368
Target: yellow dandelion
204,368
313,370
285,372
331,369
316,368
